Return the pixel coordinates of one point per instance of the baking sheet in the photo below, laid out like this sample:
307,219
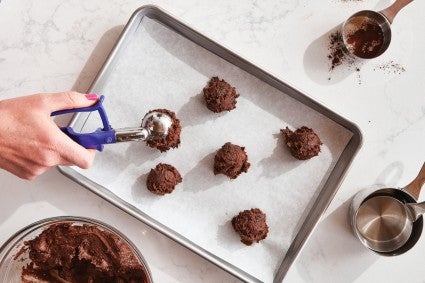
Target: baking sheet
159,68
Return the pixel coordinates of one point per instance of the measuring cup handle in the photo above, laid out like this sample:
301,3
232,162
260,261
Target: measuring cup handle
392,10
414,187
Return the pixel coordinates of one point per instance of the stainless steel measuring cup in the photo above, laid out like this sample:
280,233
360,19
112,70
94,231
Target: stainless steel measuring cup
387,222
367,34
380,220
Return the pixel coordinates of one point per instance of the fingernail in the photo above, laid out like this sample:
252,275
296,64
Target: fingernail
91,96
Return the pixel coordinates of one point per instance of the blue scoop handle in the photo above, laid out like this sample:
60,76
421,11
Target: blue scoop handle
96,139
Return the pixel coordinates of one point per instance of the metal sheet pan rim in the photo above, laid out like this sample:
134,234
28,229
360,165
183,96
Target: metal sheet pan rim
319,205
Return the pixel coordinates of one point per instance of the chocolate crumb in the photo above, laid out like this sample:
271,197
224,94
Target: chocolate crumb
390,67
336,54
359,77
337,57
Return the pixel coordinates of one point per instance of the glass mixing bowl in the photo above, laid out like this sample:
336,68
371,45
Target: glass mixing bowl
13,258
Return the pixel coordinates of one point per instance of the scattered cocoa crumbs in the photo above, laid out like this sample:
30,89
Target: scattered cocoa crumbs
337,56
359,77
390,67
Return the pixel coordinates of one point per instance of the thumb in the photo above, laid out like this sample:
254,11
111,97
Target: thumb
69,100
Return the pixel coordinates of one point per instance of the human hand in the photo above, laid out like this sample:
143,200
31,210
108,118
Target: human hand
31,142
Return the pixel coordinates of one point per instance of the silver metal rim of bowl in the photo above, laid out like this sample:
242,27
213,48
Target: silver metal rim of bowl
7,247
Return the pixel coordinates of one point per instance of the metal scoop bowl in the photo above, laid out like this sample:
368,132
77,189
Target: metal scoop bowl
155,125
367,34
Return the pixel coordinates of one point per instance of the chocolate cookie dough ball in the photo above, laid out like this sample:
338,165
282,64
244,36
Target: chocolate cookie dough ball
163,179
251,225
231,160
172,139
304,143
220,95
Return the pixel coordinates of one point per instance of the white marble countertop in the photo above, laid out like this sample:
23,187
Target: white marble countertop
55,45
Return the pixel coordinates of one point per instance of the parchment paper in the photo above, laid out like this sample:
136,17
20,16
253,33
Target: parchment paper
161,69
